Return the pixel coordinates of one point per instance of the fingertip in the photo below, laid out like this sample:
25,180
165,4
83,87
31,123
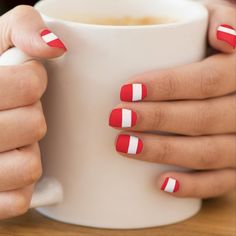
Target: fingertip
28,32
222,32
45,45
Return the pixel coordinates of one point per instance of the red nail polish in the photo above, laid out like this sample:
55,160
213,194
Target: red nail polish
51,39
129,144
122,118
170,185
227,34
133,92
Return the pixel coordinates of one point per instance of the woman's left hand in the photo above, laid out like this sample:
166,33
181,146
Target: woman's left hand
197,104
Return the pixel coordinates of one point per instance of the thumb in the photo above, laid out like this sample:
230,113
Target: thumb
222,32
24,28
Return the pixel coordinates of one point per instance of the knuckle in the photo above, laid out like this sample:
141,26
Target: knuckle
33,169
33,83
215,188
168,83
209,155
158,118
210,81
230,11
21,204
164,152
21,11
39,125
203,119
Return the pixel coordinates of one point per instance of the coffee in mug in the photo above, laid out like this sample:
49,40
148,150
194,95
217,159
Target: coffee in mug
125,20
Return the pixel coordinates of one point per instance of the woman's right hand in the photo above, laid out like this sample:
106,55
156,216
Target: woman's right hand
22,122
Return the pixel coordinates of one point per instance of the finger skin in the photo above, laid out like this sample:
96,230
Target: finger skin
22,85
204,184
21,126
16,202
20,167
200,153
22,27
212,77
194,118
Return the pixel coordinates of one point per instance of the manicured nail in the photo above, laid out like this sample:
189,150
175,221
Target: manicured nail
129,144
227,34
122,118
51,39
133,92
170,185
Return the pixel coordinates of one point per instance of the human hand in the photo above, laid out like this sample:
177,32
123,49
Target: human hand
197,104
22,122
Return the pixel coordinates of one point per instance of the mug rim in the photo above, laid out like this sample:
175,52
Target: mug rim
174,24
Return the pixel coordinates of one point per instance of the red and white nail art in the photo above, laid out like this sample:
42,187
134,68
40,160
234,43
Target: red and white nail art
129,144
51,39
170,185
122,118
227,34
133,92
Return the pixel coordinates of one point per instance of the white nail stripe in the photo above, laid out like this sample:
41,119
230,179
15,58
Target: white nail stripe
49,37
137,92
227,30
170,185
133,145
126,118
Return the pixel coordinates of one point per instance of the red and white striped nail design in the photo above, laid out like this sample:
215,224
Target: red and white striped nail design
51,39
133,92
122,118
227,34
129,144
170,185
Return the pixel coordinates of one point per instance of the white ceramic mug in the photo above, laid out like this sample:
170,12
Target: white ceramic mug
92,185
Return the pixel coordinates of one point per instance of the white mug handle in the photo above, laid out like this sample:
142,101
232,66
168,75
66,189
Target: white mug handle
49,190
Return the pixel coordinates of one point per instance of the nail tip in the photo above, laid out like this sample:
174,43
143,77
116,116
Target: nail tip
126,93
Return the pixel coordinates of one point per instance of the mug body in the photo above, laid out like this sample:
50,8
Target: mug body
102,189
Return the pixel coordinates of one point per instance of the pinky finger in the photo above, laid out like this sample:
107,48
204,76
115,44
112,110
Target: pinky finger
15,202
204,184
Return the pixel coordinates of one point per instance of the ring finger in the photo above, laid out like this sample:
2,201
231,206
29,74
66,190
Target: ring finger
200,153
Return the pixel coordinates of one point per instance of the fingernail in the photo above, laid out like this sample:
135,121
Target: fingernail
129,144
170,185
133,92
122,118
227,34
51,39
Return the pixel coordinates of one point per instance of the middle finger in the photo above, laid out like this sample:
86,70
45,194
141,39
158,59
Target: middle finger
213,116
